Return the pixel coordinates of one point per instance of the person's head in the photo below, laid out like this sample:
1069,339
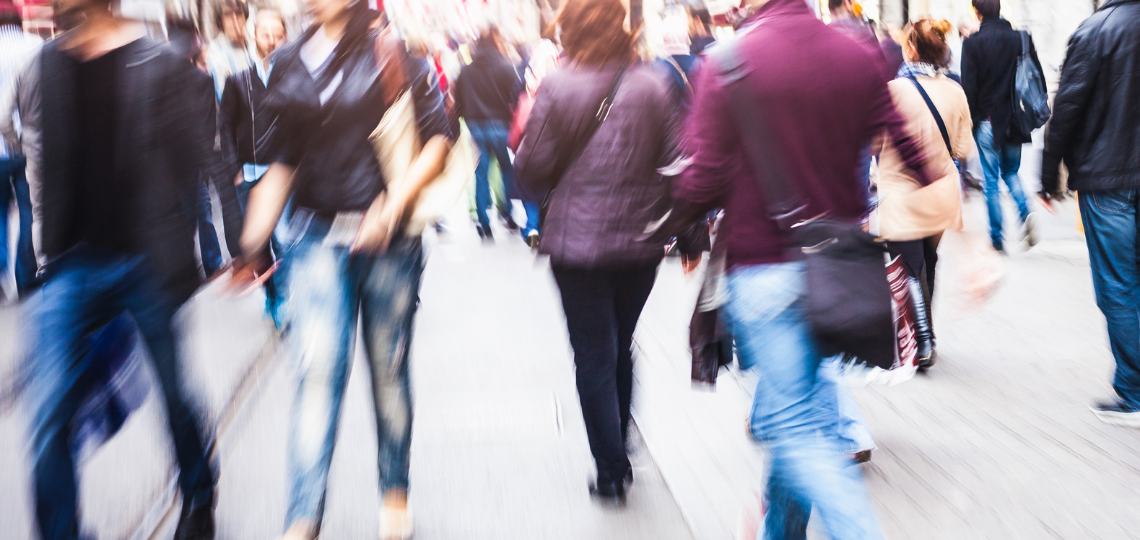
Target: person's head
70,13
841,7
325,11
490,41
594,31
699,22
967,26
10,14
987,9
926,42
268,32
230,19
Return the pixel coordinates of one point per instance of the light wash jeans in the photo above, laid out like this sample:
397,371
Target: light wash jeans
794,409
328,288
998,165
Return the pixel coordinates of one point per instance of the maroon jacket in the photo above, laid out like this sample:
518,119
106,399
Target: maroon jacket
824,96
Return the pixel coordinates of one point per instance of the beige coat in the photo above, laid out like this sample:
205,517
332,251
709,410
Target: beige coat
906,211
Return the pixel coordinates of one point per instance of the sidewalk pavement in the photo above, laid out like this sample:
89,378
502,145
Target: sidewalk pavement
996,442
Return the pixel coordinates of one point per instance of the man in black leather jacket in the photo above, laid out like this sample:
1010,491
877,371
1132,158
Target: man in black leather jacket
1095,131
989,61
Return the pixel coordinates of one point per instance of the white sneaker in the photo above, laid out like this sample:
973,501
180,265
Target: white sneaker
1032,229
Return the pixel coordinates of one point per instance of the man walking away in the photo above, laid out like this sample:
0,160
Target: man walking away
122,149
485,96
989,63
15,49
824,99
1094,131
247,131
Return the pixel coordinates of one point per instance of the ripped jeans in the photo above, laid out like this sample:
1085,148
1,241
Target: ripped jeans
327,288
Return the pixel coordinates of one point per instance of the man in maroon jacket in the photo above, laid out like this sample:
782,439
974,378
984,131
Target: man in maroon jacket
822,98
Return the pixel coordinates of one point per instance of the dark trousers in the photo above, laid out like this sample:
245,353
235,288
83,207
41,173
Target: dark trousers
1112,221
13,184
920,257
83,291
602,308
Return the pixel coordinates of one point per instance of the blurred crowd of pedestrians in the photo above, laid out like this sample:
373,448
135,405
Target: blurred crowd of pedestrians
117,141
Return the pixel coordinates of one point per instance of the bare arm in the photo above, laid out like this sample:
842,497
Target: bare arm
266,203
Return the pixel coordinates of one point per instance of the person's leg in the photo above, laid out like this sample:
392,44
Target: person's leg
320,326
507,172
69,306
631,288
5,201
482,170
211,251
1110,220
791,413
25,254
1010,165
852,430
991,188
389,294
139,293
588,301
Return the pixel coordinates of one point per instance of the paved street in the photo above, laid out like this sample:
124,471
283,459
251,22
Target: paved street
996,442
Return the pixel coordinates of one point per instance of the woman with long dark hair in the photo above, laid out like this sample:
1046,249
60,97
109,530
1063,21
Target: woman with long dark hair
604,190
330,90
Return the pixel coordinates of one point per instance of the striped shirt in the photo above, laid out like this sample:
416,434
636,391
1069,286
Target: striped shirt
16,47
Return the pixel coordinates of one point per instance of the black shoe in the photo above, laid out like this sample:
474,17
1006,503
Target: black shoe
999,247
196,523
862,457
608,492
628,479
509,222
532,239
484,232
1117,412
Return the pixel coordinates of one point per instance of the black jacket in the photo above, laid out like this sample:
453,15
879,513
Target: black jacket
488,88
1095,127
336,167
246,124
162,140
989,63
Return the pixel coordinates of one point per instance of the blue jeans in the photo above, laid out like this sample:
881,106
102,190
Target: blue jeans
491,138
328,288
14,183
211,250
998,165
83,291
273,296
1111,219
794,409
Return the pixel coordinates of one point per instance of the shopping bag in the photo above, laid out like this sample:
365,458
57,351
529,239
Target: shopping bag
906,340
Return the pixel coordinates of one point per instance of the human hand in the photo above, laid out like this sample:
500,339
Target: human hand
1046,201
379,224
249,273
689,263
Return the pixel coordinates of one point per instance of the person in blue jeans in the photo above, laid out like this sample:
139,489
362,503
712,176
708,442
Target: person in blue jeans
486,93
1094,129
14,185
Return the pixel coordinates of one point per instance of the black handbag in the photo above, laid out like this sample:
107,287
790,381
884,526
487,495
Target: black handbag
848,297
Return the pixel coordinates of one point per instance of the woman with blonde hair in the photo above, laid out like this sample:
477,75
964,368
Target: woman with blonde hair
912,218
600,128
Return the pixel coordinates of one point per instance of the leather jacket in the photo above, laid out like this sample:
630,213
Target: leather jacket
1095,127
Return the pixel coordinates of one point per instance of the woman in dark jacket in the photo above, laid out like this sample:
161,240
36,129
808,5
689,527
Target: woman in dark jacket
599,209
330,90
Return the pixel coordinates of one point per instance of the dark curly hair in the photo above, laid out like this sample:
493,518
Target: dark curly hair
593,31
